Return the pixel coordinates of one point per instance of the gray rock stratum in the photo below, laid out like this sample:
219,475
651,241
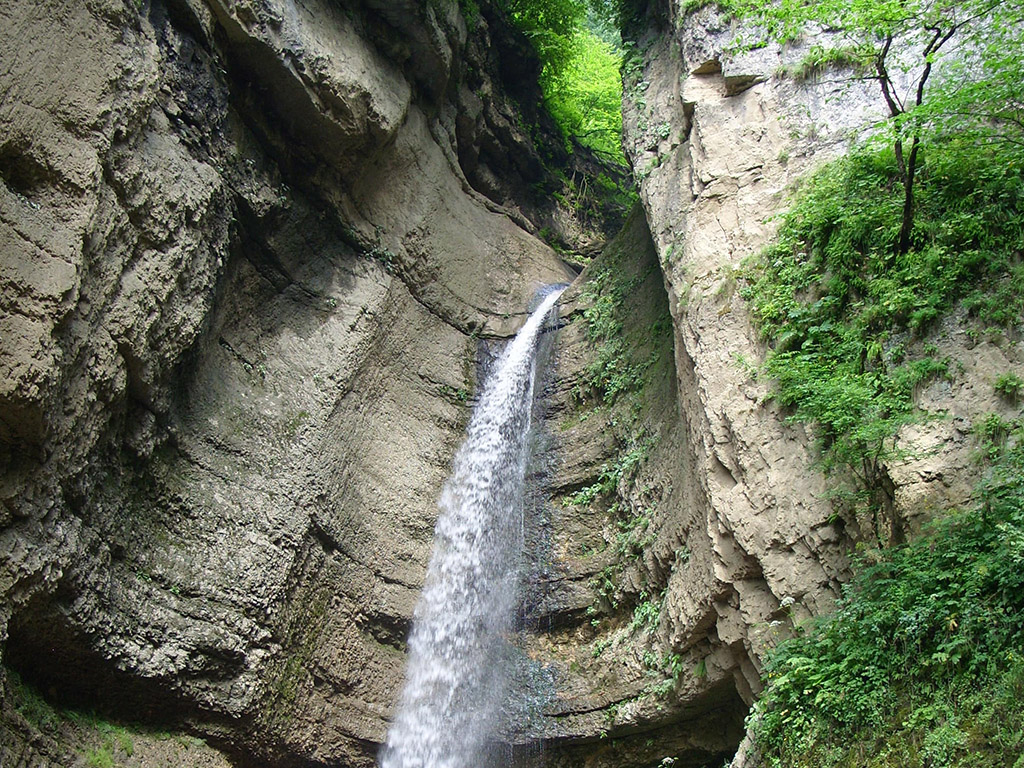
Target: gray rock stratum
244,271
250,252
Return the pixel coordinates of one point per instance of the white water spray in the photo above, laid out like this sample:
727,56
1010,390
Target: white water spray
455,680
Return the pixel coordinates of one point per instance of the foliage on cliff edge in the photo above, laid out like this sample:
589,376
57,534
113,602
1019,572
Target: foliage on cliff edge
921,666
580,59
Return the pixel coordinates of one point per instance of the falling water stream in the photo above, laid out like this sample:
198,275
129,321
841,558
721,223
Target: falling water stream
455,679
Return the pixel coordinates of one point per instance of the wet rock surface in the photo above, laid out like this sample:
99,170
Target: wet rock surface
248,252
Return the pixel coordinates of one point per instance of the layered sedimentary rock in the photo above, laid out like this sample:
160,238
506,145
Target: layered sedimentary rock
718,137
248,252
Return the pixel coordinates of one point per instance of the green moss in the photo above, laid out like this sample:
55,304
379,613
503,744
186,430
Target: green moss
30,705
114,740
101,757
302,632
629,381
624,350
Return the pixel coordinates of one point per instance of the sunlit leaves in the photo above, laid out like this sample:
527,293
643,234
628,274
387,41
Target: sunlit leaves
845,315
580,70
924,650
586,96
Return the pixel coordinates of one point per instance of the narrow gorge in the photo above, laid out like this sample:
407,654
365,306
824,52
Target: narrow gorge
256,260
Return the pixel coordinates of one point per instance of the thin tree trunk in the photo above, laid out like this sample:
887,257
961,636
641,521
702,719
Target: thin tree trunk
908,199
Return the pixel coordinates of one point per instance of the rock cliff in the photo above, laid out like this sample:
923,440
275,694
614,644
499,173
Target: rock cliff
251,252
248,252
740,540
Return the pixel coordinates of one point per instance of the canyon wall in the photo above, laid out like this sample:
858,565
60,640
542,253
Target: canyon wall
251,253
718,137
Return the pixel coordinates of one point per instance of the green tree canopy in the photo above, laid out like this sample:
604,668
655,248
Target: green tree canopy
580,76
941,65
552,26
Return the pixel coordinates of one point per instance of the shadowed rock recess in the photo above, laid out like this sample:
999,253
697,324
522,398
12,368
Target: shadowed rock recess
250,254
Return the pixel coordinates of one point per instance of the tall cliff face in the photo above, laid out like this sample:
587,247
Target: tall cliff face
740,540
249,250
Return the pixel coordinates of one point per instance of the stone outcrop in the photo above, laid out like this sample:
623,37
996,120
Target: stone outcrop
718,139
250,254
248,251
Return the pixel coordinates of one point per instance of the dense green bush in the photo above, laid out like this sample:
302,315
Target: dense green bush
585,96
846,315
923,663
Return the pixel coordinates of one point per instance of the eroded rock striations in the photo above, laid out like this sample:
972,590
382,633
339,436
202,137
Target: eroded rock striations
247,251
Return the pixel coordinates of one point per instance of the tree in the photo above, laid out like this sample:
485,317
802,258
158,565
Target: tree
900,44
586,96
552,27
579,70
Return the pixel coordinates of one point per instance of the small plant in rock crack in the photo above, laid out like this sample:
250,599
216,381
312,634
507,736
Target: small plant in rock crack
647,613
1010,386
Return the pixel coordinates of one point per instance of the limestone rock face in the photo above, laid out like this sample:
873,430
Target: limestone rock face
243,276
718,141
248,253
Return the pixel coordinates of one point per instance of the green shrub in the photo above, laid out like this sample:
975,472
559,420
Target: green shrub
923,662
921,665
647,613
102,757
845,315
1010,386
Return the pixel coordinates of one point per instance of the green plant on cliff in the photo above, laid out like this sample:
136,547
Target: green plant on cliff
903,46
846,316
579,70
619,365
922,666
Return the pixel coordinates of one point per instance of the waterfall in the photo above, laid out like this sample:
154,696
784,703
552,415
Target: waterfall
455,679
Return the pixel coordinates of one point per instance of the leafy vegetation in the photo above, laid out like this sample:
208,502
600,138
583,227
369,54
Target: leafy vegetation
847,316
1010,386
627,328
30,704
616,368
900,44
922,665
647,612
103,743
580,62
585,96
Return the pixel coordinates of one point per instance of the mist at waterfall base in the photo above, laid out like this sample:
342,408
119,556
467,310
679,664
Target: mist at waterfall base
456,680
